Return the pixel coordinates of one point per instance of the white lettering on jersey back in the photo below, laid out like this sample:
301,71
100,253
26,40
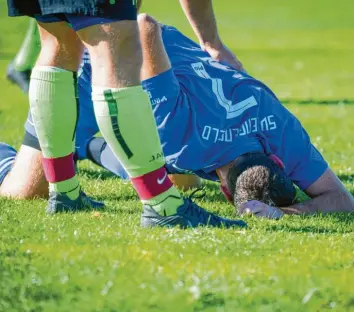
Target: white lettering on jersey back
232,109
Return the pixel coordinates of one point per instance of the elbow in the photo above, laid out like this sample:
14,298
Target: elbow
344,201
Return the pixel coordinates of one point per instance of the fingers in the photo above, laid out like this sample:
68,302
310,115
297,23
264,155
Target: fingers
271,213
234,63
251,207
260,209
228,58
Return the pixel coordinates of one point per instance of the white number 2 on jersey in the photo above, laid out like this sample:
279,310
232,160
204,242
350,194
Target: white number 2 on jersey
232,110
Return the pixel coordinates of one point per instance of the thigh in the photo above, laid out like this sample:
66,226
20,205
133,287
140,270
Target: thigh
26,179
115,53
155,58
61,47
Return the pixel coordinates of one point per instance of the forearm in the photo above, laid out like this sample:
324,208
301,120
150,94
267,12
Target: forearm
334,201
201,16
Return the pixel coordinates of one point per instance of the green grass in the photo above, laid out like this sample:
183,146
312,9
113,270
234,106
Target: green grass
86,262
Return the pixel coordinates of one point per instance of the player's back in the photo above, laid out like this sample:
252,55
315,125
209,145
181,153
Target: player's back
187,58
208,83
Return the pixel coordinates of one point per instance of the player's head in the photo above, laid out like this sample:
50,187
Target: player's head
256,176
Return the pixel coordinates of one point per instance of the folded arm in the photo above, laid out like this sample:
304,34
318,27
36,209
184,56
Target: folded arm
328,194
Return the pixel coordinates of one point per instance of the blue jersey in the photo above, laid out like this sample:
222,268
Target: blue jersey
208,114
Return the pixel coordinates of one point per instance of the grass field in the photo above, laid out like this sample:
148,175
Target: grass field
304,50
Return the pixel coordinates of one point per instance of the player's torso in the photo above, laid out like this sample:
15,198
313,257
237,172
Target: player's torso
218,115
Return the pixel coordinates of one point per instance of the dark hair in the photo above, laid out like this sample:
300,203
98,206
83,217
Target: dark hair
254,176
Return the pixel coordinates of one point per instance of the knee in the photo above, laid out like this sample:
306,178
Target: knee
60,47
147,23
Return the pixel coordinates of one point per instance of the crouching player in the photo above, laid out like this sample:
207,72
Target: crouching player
221,125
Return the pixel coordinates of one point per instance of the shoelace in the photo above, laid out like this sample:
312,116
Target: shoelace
194,210
193,194
203,215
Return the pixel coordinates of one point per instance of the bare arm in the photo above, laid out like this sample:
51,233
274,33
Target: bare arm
328,195
200,15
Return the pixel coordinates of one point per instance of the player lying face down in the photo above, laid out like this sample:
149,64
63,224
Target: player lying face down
221,125
226,126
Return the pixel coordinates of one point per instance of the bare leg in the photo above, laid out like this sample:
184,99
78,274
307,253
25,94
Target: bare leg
155,58
123,111
53,101
26,179
61,47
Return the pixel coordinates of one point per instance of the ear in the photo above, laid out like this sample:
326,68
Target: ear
225,190
277,160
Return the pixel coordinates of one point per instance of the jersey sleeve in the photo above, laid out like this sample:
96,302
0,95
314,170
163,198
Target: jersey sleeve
303,162
163,91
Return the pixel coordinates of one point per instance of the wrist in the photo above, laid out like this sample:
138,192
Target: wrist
211,43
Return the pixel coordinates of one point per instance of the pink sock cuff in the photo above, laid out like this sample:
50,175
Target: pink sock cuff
152,184
59,169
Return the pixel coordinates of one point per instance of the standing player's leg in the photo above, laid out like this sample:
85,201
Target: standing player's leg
19,70
54,104
123,111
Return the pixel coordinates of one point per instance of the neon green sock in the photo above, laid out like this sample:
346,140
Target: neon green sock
167,202
127,123
54,110
29,51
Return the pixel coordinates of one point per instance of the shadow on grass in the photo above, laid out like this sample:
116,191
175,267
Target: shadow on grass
347,178
307,229
317,101
209,300
212,192
337,223
97,174
130,195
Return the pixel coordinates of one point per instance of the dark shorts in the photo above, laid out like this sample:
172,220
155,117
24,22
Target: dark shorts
110,9
77,22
